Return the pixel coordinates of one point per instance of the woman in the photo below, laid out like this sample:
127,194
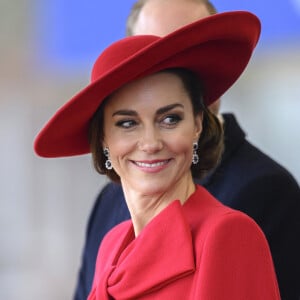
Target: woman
145,121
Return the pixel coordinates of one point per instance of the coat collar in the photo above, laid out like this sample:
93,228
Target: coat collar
144,264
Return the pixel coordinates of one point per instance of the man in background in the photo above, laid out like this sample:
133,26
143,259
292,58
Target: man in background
246,179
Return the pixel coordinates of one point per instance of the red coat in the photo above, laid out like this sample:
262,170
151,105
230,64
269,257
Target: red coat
199,250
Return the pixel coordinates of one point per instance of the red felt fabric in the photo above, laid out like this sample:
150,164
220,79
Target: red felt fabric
201,250
216,48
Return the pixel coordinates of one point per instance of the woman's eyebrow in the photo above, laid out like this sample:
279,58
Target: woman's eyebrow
162,110
165,109
125,112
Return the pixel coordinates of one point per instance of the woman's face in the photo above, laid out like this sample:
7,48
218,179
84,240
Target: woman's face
149,128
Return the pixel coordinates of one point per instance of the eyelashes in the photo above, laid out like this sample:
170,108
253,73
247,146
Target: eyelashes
172,119
167,121
126,123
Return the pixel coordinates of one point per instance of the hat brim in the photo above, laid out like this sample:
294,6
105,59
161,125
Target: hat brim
216,48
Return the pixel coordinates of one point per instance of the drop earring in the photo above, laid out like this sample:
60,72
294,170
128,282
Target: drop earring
108,164
195,158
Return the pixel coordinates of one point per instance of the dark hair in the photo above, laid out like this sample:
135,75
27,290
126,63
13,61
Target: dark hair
210,144
138,5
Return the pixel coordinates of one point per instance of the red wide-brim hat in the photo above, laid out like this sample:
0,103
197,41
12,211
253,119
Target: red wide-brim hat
216,48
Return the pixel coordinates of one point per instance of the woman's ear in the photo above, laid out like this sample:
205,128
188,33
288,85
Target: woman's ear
104,144
198,125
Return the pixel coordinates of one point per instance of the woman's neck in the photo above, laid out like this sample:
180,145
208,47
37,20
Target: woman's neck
143,208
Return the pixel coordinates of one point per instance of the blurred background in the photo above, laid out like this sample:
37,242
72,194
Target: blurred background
47,49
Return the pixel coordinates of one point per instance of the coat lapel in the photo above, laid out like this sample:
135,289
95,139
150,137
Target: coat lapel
151,260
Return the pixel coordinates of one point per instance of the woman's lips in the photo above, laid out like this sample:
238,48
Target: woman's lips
152,166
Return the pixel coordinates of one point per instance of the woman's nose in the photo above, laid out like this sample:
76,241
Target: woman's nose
150,141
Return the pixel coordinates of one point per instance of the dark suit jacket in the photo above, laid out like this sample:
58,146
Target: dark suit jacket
247,180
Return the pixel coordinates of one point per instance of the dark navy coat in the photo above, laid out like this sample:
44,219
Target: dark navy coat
247,180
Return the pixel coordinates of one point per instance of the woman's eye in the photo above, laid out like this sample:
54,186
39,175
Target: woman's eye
172,119
126,123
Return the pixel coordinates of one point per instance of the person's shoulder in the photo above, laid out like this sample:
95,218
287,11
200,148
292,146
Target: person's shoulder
267,164
250,156
111,189
235,219
112,237
108,209
215,214
227,225
263,174
117,230
246,162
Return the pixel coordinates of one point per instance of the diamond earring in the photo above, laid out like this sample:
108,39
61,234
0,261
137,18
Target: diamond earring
195,158
108,164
